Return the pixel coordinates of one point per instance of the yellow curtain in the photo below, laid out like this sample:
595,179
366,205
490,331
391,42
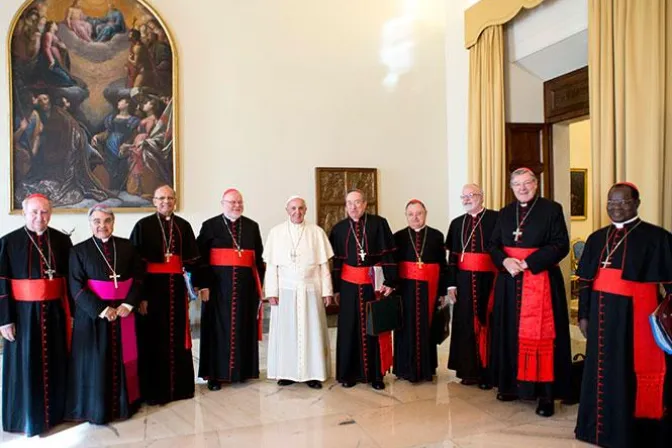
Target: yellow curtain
486,115
630,65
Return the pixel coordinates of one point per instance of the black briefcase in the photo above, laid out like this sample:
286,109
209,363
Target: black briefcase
441,325
383,315
575,379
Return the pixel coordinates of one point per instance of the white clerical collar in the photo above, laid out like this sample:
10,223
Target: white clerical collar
620,225
301,224
230,218
473,215
164,217
420,229
105,240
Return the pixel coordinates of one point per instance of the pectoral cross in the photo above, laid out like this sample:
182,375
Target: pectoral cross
419,263
362,254
462,257
114,278
168,255
292,255
606,263
517,234
240,253
50,273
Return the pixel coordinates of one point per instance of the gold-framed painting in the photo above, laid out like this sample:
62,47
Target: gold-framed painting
331,187
578,178
93,104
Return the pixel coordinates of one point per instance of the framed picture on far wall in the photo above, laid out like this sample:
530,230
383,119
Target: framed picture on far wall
579,194
93,106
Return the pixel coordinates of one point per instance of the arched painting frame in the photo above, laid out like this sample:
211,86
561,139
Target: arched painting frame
93,104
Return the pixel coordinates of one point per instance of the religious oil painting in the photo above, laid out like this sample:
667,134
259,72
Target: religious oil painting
332,184
579,193
93,91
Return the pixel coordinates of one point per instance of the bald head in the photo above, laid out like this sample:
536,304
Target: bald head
164,200
37,213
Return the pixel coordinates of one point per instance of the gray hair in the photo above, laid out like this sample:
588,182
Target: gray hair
475,187
521,171
27,199
102,209
357,190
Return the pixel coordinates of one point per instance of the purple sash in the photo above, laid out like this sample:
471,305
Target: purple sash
105,290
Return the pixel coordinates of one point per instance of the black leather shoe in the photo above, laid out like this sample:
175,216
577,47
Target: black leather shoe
378,385
545,408
468,382
285,382
484,386
314,384
506,397
214,385
348,384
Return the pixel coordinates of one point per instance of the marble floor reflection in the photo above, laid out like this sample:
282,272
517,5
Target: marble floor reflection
262,414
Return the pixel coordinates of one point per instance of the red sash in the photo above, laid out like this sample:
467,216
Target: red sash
536,331
41,290
649,358
106,290
244,259
174,266
481,262
362,276
428,272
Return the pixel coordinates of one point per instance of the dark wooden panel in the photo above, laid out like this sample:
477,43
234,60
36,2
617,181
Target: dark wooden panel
567,96
530,145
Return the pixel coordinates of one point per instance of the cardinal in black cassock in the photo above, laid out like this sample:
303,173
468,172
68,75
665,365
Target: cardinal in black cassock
230,320
471,282
34,319
626,394
530,353
106,276
423,272
361,242
167,244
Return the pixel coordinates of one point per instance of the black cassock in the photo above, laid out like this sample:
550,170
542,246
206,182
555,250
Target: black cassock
607,407
229,339
473,293
415,357
35,364
164,336
357,354
544,228
98,390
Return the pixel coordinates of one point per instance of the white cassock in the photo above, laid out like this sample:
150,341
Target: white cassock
297,272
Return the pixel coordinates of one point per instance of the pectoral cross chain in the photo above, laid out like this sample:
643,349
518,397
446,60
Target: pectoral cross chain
114,276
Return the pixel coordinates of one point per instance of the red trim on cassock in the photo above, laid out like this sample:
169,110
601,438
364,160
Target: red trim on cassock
246,259
536,331
362,276
649,358
480,262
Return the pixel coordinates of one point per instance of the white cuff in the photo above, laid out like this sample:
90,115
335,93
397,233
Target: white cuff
127,306
7,325
102,315
452,287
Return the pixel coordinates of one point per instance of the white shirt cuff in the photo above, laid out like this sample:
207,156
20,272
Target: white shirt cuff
452,287
127,306
7,325
102,315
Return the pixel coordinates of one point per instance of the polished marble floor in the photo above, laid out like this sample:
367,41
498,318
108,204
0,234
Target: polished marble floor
262,414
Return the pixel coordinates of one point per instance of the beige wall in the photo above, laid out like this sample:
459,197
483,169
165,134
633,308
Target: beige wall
270,90
580,157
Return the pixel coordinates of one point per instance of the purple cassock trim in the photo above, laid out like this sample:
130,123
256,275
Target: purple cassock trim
105,290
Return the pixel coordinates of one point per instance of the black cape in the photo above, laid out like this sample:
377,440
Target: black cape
473,292
35,364
229,340
97,390
164,336
415,357
546,230
644,256
357,354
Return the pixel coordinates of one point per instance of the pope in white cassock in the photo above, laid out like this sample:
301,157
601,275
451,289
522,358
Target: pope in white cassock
298,287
